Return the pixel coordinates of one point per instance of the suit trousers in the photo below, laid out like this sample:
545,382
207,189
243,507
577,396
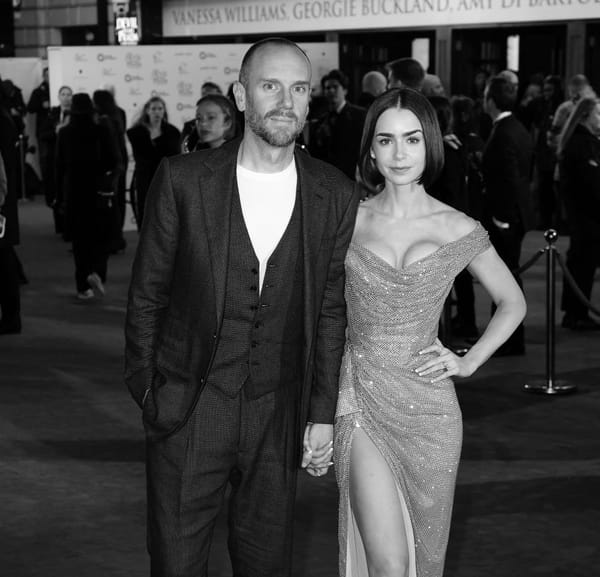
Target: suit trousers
507,243
245,444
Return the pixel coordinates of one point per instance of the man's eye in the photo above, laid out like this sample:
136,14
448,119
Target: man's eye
269,86
300,89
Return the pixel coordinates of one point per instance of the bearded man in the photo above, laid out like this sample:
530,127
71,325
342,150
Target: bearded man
235,327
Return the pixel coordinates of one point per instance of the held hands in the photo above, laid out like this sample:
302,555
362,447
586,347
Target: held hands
446,361
318,448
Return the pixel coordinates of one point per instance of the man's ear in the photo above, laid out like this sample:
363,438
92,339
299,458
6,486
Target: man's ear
239,92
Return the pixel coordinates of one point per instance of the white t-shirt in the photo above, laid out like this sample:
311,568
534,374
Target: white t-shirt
267,201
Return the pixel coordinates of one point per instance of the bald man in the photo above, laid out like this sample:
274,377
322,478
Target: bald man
235,327
373,84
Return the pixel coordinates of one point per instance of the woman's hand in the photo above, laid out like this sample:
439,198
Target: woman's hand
448,362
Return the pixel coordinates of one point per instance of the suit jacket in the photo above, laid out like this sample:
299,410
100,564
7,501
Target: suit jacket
506,169
177,292
336,138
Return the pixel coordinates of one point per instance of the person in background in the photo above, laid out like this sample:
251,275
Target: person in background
406,72
10,292
336,136
57,118
209,87
86,158
506,168
109,115
39,106
579,159
215,123
432,86
373,84
152,138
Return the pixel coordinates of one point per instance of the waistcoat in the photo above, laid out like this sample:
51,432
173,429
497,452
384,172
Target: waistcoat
261,338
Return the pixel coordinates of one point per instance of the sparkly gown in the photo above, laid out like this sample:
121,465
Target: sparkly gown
416,425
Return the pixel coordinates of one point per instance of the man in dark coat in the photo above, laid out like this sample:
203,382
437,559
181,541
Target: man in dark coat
235,326
10,300
337,134
506,169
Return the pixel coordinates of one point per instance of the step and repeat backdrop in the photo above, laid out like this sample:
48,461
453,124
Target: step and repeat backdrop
174,72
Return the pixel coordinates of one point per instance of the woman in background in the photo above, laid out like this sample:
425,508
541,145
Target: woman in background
152,138
579,162
398,430
215,123
86,158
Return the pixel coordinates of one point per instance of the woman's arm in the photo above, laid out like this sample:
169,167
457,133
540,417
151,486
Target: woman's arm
495,277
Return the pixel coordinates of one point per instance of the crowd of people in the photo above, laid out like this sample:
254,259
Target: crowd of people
295,255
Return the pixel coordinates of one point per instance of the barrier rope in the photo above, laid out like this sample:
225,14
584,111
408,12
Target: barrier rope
576,290
531,261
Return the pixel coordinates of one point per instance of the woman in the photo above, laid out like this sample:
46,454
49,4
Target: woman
85,161
579,162
110,116
398,427
152,138
215,123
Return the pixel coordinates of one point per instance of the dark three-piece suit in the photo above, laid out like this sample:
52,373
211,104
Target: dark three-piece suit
228,374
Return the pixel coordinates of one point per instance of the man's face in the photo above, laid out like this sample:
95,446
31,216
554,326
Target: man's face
275,98
335,93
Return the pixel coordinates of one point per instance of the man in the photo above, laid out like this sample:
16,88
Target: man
405,72
432,86
54,121
337,134
373,84
235,326
506,169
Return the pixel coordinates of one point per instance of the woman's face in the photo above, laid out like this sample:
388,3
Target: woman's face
156,112
64,97
211,124
398,147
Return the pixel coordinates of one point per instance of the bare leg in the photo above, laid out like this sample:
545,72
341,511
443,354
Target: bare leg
377,507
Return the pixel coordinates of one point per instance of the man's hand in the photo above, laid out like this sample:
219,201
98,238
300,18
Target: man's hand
318,448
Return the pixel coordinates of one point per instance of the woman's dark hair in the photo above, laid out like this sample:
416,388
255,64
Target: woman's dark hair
407,99
81,105
228,109
580,113
104,102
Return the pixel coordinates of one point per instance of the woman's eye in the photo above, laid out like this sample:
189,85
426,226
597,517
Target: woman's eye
414,140
383,141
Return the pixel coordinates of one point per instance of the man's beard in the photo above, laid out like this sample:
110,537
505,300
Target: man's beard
282,136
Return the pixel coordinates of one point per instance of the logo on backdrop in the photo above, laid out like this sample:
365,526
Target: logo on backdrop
185,89
132,77
159,76
181,106
204,55
103,57
133,60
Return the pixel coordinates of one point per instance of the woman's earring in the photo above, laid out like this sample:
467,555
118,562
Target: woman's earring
372,155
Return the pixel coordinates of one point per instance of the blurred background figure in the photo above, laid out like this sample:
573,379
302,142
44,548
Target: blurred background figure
432,86
210,88
10,294
215,123
406,72
109,116
57,117
337,134
86,158
579,158
506,169
373,84
152,138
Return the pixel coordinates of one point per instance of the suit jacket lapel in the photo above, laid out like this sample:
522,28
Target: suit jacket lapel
217,192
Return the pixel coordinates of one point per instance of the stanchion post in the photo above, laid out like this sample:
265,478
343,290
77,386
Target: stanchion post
550,386
21,146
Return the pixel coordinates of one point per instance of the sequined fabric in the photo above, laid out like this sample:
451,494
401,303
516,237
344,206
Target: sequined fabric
416,425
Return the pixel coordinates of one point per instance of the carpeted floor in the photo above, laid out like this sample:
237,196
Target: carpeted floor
71,444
